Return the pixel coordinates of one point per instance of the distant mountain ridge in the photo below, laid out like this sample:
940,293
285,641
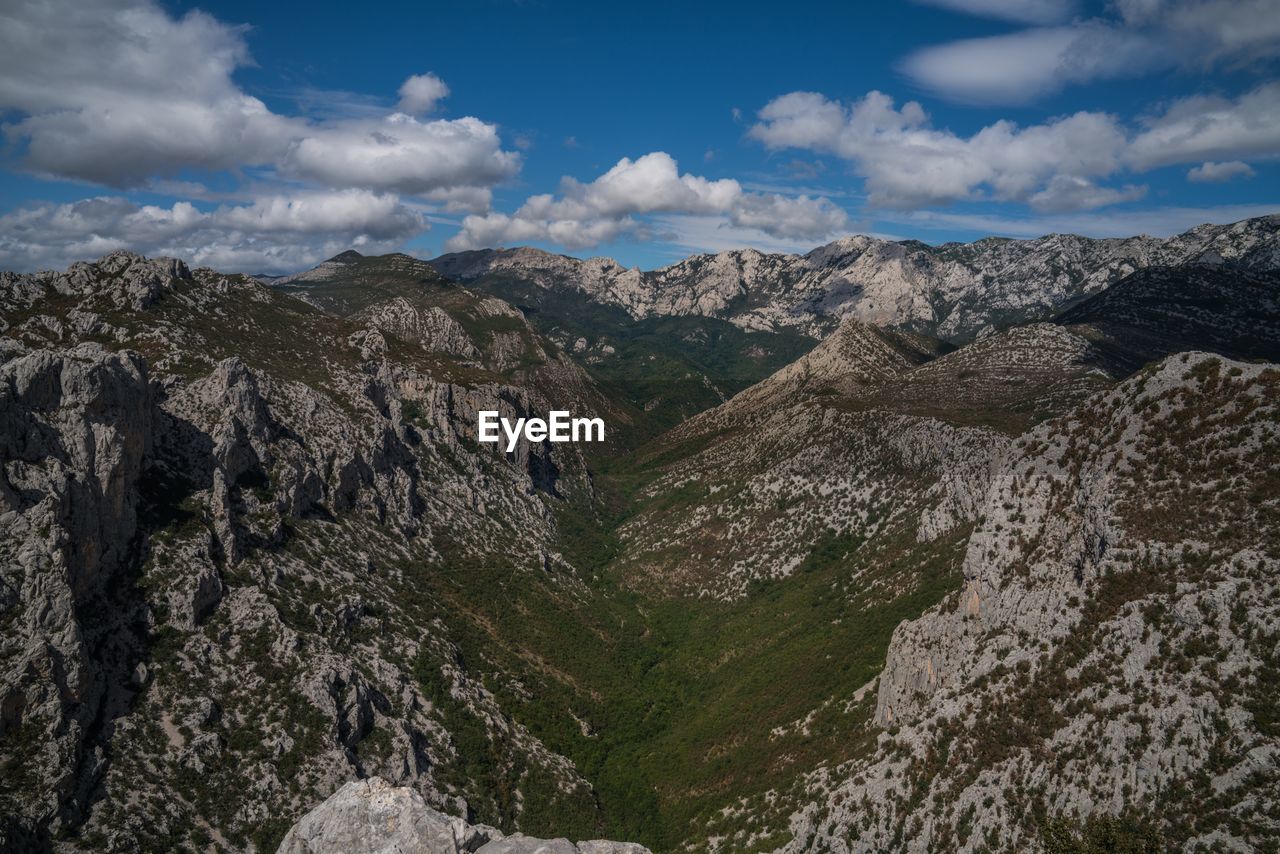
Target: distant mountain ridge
669,366
955,291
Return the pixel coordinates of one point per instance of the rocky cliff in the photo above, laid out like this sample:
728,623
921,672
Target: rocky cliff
1112,649
227,519
75,429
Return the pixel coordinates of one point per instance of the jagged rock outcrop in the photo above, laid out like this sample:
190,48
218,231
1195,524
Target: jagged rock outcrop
75,428
120,280
1080,670
130,280
211,572
954,291
432,327
371,816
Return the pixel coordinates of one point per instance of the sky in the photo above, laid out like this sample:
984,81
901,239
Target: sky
266,137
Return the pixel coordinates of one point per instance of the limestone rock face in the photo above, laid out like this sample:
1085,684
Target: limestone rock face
213,558
432,327
130,280
1082,664
374,817
954,291
75,428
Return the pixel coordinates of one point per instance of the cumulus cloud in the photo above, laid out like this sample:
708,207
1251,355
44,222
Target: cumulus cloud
794,218
272,234
119,93
421,92
907,163
1211,128
587,214
1055,166
1210,172
1141,36
402,154
115,92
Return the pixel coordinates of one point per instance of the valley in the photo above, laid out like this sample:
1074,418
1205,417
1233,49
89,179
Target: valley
887,546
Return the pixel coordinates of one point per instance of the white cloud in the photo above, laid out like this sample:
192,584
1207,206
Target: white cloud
1211,128
1017,67
402,154
120,93
1068,193
1209,31
1157,222
587,214
1021,11
272,234
701,233
365,215
794,218
421,92
907,163
1055,166
1145,36
649,183
114,92
1210,172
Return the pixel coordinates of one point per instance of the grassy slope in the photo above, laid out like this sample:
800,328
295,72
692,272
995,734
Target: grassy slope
675,725
674,366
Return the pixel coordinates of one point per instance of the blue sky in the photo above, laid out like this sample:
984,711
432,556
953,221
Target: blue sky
266,137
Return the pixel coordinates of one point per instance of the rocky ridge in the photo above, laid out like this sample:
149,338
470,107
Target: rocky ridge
954,291
216,593
1071,499
1081,669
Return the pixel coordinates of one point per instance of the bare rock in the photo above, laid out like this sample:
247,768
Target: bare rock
374,817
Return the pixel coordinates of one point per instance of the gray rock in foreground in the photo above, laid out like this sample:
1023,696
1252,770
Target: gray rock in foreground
374,817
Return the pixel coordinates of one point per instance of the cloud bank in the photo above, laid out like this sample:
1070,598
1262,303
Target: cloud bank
586,215
1056,166
123,95
134,100
272,234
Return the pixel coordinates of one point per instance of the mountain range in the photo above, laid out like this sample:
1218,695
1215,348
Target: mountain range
890,547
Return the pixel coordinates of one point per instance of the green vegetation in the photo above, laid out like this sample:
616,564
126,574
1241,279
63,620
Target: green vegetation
673,367
1102,834
651,697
